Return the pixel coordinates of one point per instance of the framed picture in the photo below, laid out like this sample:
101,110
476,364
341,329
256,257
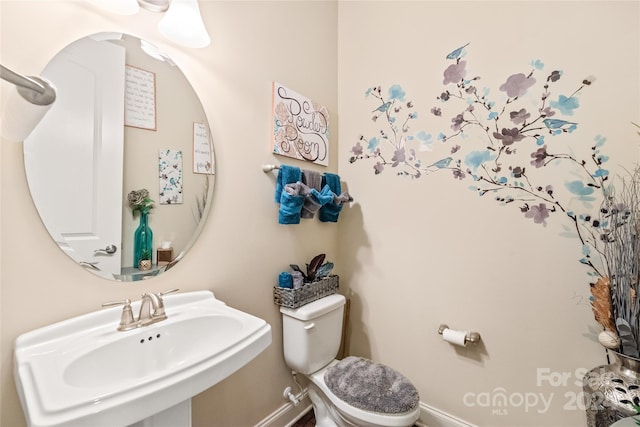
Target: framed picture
170,174
300,126
203,161
140,98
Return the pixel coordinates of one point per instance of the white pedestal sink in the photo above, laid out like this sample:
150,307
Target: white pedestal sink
83,372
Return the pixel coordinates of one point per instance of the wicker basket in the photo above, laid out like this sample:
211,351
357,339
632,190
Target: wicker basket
309,292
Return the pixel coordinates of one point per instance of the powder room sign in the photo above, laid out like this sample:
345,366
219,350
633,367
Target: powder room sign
300,126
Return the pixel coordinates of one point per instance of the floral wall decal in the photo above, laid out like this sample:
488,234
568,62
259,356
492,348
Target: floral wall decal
501,143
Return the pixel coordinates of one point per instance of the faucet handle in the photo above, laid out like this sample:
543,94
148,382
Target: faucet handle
160,309
170,291
127,321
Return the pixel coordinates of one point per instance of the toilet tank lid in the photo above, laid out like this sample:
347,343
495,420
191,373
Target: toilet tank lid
316,308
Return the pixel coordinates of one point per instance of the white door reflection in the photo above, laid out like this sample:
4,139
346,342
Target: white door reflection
80,147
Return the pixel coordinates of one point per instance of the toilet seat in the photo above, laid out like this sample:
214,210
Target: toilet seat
371,386
374,418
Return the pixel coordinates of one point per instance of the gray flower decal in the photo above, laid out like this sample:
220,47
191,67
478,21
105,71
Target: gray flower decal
504,145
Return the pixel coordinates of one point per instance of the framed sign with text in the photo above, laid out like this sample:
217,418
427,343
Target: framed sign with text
300,126
140,98
202,153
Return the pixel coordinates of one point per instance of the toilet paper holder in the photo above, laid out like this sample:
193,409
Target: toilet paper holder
470,337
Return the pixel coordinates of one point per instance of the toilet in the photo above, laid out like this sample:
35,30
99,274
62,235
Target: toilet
353,392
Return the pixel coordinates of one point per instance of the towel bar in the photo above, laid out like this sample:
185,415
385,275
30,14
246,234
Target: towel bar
269,168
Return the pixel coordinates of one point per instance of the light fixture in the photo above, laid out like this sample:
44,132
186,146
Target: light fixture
26,106
155,5
181,23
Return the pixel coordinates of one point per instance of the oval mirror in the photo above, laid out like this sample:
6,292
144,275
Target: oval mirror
126,122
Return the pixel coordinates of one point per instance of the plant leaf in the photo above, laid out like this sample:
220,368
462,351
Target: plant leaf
312,267
324,270
601,303
629,345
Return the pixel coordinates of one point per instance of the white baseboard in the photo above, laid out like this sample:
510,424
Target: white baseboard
300,415
288,414
433,417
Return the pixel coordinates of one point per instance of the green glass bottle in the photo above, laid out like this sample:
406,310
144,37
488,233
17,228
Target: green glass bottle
142,240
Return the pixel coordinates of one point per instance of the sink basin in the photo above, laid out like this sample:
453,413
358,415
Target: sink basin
150,351
82,371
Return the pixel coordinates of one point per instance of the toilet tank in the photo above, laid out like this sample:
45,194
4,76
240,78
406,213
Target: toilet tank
312,333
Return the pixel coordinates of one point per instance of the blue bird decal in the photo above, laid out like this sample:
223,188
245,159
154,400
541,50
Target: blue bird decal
384,107
556,123
441,164
456,53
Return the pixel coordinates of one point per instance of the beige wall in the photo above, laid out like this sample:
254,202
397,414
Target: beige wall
426,251
414,253
242,248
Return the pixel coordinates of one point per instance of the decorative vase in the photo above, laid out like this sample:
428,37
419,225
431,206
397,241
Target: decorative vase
610,390
142,241
144,265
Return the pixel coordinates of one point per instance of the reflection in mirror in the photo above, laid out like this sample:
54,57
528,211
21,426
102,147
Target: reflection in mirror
126,120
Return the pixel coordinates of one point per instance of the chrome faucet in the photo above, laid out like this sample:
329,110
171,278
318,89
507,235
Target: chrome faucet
151,310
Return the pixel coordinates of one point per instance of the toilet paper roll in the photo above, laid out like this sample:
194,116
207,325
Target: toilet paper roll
455,337
20,117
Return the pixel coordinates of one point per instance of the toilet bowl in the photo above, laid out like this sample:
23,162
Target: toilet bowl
311,339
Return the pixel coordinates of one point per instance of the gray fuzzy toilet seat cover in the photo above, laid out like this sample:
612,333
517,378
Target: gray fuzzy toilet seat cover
371,386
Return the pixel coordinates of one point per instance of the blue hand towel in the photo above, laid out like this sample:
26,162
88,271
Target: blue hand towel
330,211
333,181
286,175
291,204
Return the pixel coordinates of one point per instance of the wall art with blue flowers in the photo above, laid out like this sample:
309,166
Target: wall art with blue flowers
500,141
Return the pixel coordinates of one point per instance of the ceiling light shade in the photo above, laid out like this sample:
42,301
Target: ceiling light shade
183,24
122,7
155,5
